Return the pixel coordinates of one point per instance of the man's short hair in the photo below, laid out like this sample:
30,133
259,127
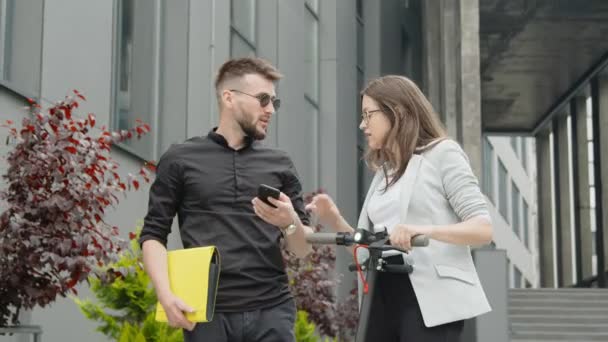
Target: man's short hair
240,67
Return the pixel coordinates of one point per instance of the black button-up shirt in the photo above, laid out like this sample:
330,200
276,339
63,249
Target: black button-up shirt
210,186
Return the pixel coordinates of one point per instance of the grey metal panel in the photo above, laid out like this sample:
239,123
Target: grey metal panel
491,266
90,44
267,35
450,100
219,49
581,155
347,112
328,97
347,116
545,217
295,124
200,38
563,202
372,17
372,31
600,148
402,39
23,44
172,123
470,83
431,79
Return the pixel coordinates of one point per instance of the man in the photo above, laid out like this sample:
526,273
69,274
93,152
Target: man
211,183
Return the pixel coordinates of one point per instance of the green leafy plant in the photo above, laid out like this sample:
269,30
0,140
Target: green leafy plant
149,330
304,329
126,301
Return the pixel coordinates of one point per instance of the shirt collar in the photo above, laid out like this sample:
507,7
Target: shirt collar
220,140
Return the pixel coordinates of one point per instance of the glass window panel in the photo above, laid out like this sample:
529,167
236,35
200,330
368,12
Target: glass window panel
311,58
510,273
524,153
591,174
134,73
125,65
513,141
592,197
311,178
515,199
517,278
243,18
239,47
589,120
590,151
361,145
488,169
21,41
360,45
3,34
502,191
592,219
526,227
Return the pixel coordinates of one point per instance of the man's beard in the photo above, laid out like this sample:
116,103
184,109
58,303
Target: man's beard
251,130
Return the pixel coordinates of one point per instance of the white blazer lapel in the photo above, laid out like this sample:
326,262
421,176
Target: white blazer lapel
363,218
407,185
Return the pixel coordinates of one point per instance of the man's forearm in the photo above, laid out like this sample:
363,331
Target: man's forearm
296,242
155,264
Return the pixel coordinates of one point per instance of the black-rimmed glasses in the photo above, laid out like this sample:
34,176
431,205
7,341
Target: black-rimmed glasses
263,98
365,116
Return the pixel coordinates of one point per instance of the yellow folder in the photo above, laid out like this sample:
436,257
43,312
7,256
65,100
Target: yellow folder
193,277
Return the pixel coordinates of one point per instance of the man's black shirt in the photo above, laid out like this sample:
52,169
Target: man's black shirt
210,186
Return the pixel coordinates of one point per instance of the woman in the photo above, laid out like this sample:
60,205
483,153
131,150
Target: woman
423,185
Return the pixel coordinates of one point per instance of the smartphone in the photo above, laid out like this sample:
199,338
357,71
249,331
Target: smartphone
265,191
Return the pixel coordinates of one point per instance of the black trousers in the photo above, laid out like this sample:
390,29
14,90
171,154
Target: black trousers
274,324
395,314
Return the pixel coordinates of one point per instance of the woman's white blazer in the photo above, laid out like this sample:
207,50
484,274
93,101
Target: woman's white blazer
439,188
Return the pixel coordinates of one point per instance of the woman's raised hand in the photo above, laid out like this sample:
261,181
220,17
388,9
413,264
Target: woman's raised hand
325,210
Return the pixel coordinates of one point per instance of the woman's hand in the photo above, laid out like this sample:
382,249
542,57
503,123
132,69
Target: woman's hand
326,211
402,234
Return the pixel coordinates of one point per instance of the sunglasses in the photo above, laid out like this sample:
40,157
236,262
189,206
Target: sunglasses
263,98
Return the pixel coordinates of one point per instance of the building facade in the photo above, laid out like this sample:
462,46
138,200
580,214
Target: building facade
155,61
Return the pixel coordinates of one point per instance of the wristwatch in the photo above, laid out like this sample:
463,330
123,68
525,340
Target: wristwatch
289,229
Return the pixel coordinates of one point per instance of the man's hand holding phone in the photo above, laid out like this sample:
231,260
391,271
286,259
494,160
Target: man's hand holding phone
274,207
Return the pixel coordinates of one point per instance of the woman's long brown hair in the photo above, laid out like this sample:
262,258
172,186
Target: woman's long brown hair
414,124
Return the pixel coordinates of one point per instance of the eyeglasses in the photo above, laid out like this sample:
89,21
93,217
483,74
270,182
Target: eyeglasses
365,116
263,98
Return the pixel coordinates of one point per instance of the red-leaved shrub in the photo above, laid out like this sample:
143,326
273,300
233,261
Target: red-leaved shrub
313,282
59,183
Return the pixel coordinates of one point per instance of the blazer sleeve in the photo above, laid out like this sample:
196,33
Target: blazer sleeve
460,184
